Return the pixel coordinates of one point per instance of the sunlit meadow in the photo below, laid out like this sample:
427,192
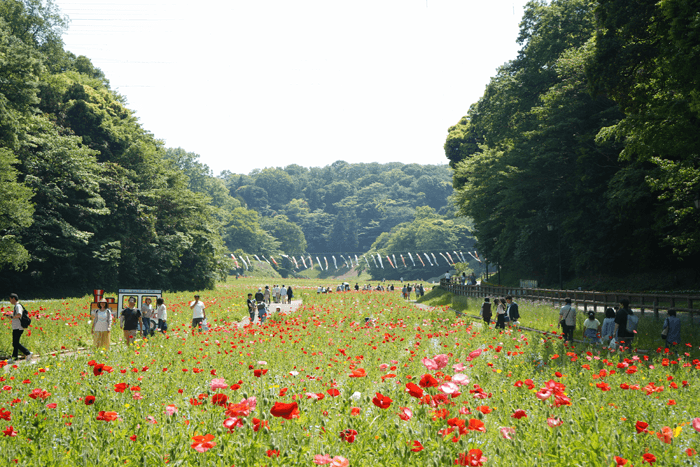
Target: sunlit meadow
354,378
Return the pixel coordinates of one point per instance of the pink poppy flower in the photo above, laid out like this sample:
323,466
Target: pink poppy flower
507,432
448,388
322,459
383,366
170,410
232,423
543,394
340,461
429,363
458,367
405,413
218,383
460,379
696,424
554,422
441,360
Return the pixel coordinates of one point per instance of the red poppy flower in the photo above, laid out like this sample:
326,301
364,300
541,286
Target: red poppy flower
9,431
417,446
381,401
220,400
641,427
484,409
427,381
648,458
333,392
194,401
358,373
348,435
476,425
89,400
520,413
259,373
257,424
286,411
691,452
354,411
203,443
232,423
414,390
120,387
473,458
272,453
405,413
620,461
665,435
107,416
5,414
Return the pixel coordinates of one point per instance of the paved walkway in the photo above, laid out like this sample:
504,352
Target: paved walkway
272,310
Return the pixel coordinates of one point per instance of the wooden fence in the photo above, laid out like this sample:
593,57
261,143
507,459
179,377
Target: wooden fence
596,301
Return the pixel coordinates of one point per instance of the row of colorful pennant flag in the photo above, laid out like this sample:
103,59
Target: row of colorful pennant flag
308,261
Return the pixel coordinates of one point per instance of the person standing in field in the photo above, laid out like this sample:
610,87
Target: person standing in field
672,326
512,312
131,320
17,329
161,315
198,313
276,293
102,325
608,331
486,312
621,317
266,294
567,319
290,294
591,329
500,313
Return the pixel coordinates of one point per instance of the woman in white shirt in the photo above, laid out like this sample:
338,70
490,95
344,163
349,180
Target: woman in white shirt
161,315
102,325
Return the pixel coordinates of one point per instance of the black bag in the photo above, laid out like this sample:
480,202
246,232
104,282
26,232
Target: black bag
25,320
664,333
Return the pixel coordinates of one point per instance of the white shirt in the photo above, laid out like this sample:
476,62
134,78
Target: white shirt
103,320
283,291
276,290
147,311
162,312
16,315
198,310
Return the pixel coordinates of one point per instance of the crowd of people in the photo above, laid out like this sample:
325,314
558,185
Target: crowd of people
259,304
506,312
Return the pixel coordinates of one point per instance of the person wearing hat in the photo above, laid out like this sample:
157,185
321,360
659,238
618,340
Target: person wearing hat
102,325
131,320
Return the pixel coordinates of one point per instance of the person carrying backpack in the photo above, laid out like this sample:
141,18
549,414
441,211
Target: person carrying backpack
20,321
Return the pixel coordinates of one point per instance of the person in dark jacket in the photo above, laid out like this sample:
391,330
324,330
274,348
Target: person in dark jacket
624,337
512,312
486,311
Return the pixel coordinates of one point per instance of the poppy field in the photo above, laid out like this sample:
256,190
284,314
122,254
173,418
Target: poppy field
353,378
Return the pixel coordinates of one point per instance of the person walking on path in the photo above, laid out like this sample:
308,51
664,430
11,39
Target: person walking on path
290,294
283,294
147,318
567,319
512,312
131,320
17,329
266,294
621,318
251,304
161,315
672,326
198,313
486,312
102,325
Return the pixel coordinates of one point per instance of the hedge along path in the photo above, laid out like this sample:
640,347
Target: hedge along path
274,308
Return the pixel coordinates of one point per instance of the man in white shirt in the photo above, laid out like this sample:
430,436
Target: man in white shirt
283,294
276,293
198,314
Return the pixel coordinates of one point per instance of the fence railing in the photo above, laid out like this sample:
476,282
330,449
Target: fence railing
597,301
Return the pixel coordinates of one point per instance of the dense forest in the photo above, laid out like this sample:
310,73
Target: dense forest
583,150
89,198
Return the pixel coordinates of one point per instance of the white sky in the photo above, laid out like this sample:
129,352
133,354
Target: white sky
268,83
